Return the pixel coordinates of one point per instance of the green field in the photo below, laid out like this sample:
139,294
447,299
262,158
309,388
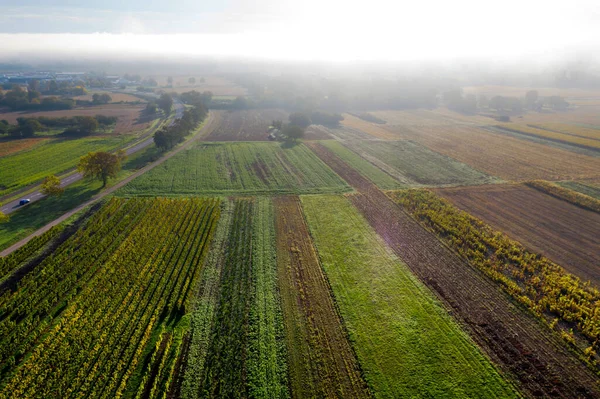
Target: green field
404,339
416,165
52,157
364,167
238,168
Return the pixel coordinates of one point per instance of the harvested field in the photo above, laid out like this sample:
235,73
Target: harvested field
247,125
130,116
413,164
321,361
583,188
506,157
574,130
554,135
561,231
238,168
8,147
389,312
116,97
512,337
368,127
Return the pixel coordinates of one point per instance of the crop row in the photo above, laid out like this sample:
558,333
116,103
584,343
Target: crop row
552,135
150,252
539,284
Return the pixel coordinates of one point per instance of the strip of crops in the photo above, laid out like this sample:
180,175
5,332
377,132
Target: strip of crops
204,305
582,200
575,130
404,339
540,285
582,188
321,361
80,323
238,168
267,366
364,167
52,157
225,373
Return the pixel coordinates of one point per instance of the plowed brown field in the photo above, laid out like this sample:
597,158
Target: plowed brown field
8,147
510,335
563,232
498,155
321,361
249,125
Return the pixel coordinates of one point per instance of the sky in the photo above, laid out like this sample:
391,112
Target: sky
323,30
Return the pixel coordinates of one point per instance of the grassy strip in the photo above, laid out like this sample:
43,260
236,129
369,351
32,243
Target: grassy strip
238,168
364,167
575,198
404,339
267,366
561,299
205,303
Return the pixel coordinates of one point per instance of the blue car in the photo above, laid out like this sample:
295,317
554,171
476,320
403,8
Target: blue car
24,201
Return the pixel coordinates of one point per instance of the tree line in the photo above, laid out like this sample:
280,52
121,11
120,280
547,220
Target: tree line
169,136
74,126
456,100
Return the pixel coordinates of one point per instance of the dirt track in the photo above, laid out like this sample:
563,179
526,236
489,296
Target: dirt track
561,231
512,337
321,360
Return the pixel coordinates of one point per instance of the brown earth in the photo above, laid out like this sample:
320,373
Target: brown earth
320,359
499,155
559,230
368,127
130,116
511,336
250,125
8,147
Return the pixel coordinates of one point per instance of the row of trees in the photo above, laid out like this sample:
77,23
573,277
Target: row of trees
19,99
169,136
74,126
469,103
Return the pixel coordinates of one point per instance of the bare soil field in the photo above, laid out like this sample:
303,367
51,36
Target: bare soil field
247,125
130,116
508,334
321,360
563,232
8,147
116,97
499,155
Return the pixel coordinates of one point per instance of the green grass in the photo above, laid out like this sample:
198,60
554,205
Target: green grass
52,157
582,188
416,165
404,339
238,168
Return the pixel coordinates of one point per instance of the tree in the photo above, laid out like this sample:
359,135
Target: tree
240,102
88,124
103,98
293,132
101,165
53,87
34,85
300,119
51,186
4,218
531,97
26,127
170,81
165,102
192,80
151,108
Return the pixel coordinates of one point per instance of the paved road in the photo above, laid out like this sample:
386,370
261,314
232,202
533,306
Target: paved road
211,122
36,195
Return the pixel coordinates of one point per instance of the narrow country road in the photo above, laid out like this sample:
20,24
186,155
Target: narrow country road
36,195
211,122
